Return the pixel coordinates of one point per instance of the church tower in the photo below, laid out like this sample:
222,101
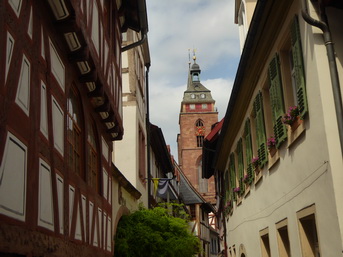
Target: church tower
197,115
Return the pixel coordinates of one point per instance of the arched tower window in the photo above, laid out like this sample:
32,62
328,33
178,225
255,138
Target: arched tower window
195,77
199,132
74,132
199,123
203,185
93,159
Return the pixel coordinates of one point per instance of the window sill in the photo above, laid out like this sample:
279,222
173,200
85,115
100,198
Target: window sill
258,175
229,214
239,200
295,134
247,190
273,159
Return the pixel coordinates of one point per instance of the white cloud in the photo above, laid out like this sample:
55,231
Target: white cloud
179,25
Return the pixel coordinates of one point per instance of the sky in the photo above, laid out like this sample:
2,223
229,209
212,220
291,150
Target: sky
175,28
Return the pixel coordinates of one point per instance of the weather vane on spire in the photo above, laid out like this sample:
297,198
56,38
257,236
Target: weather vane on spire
194,57
189,56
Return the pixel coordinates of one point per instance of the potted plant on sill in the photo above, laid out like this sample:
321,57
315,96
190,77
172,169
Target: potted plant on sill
227,208
271,144
237,190
246,179
255,162
292,118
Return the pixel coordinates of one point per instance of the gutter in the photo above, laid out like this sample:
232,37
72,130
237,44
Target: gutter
332,66
144,26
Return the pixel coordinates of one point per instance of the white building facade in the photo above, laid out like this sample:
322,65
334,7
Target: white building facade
290,204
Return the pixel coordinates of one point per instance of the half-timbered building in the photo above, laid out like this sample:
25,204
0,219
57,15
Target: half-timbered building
60,110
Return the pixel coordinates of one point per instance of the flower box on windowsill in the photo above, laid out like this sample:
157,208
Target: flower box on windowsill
273,157
246,180
237,190
255,162
271,144
294,133
296,123
239,200
291,116
247,190
258,175
272,151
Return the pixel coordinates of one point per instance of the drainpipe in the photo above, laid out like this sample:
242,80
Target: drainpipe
133,45
148,131
333,68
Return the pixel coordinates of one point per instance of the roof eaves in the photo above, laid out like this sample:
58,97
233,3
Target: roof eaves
248,46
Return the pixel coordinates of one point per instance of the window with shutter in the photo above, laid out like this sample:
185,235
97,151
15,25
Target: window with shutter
248,149
239,151
298,66
260,130
227,187
276,101
232,176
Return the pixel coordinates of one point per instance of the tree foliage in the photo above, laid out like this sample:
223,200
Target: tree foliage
154,233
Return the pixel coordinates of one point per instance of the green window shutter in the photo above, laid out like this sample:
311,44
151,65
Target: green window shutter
232,176
260,130
276,100
248,149
248,144
298,64
240,165
226,187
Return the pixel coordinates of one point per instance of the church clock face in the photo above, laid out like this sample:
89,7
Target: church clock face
202,96
193,96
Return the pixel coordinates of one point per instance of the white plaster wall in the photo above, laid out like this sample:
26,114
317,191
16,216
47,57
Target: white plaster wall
126,150
308,172
130,203
124,60
125,88
250,8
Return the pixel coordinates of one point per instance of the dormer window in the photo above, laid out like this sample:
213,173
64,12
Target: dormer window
195,77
